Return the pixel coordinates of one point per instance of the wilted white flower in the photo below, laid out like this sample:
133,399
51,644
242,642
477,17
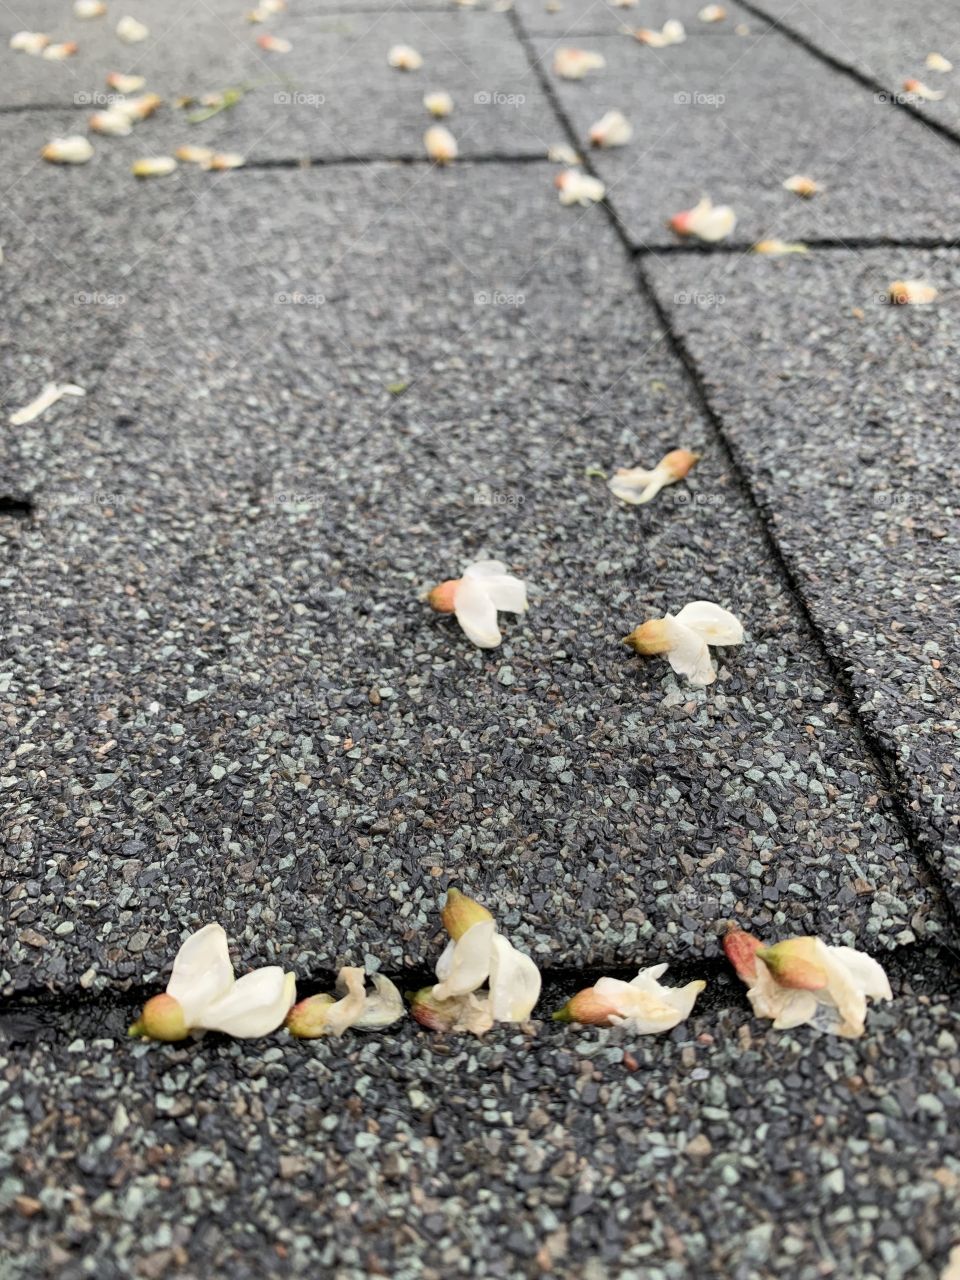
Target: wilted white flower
475,598
476,955
776,248
576,187
642,1006
573,64
60,52
140,107
50,394
612,130
190,154
203,995
801,185
705,220
404,58
440,144
637,486
89,8
113,122
911,293
684,638
560,153
220,161
804,980
439,104
274,44
712,13
32,42
937,62
917,89
265,10
153,167
75,149
125,84
353,1006
131,31
672,32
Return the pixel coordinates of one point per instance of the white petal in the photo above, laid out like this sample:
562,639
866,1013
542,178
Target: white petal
616,992
349,1008
469,962
789,1008
202,972
647,979
689,655
514,982
485,569
254,1006
50,394
637,486
476,612
508,593
382,1008
716,625
866,972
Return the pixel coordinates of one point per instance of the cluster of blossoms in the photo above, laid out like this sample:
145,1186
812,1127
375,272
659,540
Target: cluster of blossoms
482,979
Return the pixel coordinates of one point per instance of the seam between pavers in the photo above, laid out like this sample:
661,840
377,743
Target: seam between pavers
933,962
880,755
894,98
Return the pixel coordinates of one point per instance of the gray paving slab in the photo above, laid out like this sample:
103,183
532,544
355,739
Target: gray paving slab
841,411
885,41
332,95
721,1150
219,664
565,18
731,119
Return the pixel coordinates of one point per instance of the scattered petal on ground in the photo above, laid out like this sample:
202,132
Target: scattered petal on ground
50,394
672,32
576,187
153,167
31,42
274,44
89,8
404,58
75,149
775,248
439,104
327,1015
560,153
684,638
573,64
705,221
484,589
937,62
712,13
638,486
801,185
611,130
60,52
917,89
642,1006
911,293
131,31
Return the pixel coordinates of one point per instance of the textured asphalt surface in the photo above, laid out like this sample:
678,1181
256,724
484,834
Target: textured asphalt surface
314,391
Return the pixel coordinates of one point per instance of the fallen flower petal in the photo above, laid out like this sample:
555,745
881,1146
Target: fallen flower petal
403,58
937,62
73,150
202,156
202,994
465,1013
917,89
573,64
440,144
705,220
274,44
637,486
560,153
642,1006
89,8
265,10
684,638
439,104
50,394
223,160
578,188
712,13
31,42
485,588
952,1269
612,130
113,122
131,31
323,1014
153,167
801,185
911,293
125,84
803,980
777,247
672,32
60,52
139,108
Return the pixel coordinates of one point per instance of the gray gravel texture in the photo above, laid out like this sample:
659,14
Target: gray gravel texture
723,1150
840,407
332,96
565,18
731,119
885,41
217,651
